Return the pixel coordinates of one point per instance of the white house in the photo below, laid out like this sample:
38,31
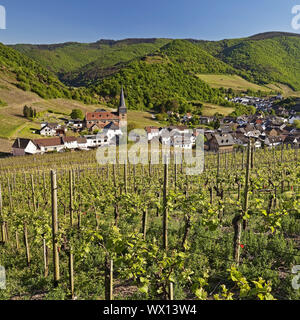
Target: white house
48,130
152,132
21,147
293,118
27,146
70,142
95,141
82,143
182,142
273,141
52,129
49,145
75,123
253,133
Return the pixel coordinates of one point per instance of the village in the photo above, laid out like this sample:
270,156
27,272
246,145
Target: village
105,128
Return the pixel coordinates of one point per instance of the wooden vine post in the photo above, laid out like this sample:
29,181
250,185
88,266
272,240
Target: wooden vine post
71,257
2,226
166,222
175,171
165,208
55,228
218,164
114,175
237,220
109,268
171,291
248,170
46,258
26,244
17,241
44,184
71,271
125,177
145,218
71,196
33,193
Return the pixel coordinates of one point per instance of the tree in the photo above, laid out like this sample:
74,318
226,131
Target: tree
77,114
30,112
131,126
297,124
26,112
216,124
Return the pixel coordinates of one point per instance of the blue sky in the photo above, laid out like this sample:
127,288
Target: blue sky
55,21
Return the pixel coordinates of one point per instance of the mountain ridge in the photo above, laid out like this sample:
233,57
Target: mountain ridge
101,66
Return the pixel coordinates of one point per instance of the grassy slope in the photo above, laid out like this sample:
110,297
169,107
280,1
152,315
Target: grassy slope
11,119
262,58
13,124
286,90
33,77
210,109
231,81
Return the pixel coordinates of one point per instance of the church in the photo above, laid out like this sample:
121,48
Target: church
100,119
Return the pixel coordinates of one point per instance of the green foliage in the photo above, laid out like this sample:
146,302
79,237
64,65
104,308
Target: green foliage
29,113
77,114
148,84
297,124
241,109
202,266
74,61
262,60
33,77
3,103
156,70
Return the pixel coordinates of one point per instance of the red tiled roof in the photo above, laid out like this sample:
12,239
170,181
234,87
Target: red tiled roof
81,140
151,129
48,142
101,116
69,139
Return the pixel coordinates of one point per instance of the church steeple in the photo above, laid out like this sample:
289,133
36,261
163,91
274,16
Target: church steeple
122,110
122,105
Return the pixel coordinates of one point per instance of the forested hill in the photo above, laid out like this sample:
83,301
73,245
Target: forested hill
29,75
154,69
170,72
72,56
263,58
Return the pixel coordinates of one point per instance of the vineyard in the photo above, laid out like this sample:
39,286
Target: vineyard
73,229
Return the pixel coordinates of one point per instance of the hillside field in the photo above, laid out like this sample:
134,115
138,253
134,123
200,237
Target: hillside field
13,124
231,81
286,90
